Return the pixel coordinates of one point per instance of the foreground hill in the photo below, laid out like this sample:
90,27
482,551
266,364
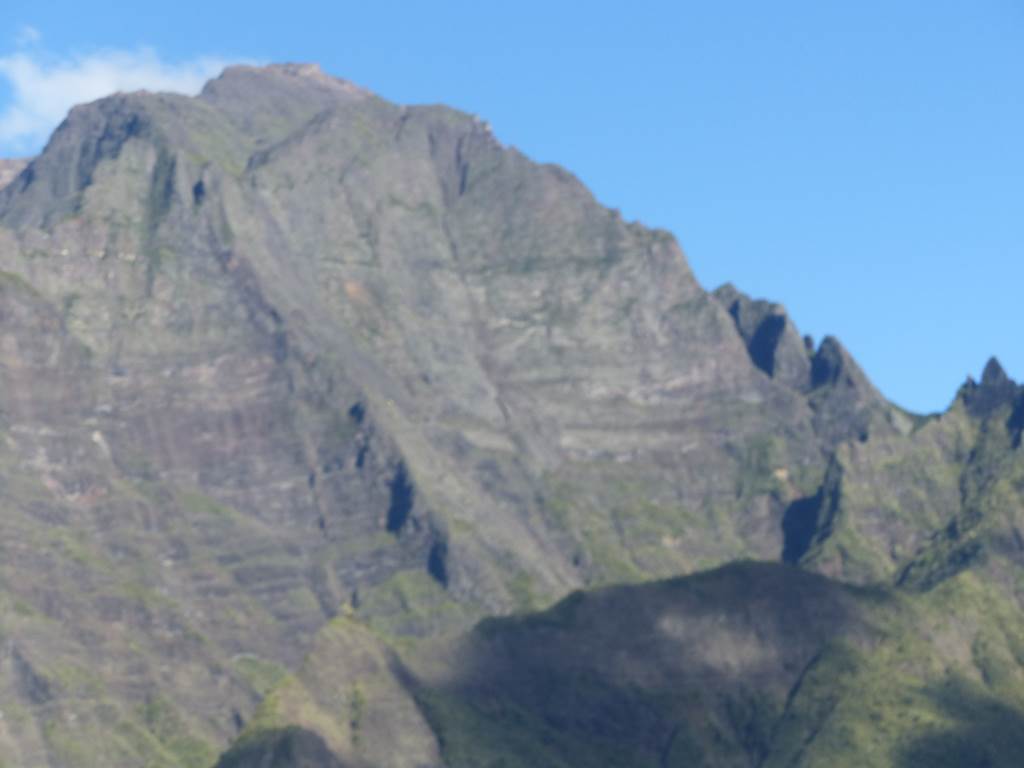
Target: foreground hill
747,665
292,377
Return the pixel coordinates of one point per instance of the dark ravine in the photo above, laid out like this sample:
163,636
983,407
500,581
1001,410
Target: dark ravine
297,386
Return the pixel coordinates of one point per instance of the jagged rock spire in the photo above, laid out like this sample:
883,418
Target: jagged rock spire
995,391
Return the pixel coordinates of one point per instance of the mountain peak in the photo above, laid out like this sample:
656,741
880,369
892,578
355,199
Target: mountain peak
995,390
994,375
50,187
307,70
293,75
772,341
301,69
267,103
246,108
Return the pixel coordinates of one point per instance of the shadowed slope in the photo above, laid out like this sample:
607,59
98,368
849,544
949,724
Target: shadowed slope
752,664
747,665
287,748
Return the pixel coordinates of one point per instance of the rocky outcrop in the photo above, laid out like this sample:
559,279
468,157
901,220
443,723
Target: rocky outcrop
844,403
773,342
995,391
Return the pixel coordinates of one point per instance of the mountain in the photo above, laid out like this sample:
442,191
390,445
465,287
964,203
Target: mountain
9,170
751,664
298,386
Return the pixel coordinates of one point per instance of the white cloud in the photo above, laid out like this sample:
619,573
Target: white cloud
44,88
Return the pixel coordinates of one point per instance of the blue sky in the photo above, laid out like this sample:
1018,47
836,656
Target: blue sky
861,163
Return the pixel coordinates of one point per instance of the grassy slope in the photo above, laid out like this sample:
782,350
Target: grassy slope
920,508
749,664
906,681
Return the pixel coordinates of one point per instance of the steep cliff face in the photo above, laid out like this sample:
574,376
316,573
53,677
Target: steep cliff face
286,366
286,348
376,332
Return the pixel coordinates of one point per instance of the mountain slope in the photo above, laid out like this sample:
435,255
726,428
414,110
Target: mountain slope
747,665
286,367
295,348
922,507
